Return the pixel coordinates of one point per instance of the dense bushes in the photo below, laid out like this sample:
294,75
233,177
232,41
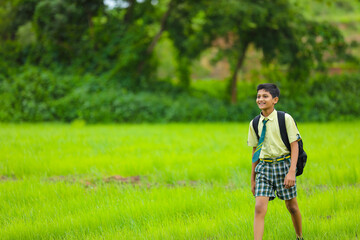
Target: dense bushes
41,95
29,96
325,98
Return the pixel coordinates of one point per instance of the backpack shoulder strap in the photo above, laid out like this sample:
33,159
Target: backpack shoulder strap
255,124
282,126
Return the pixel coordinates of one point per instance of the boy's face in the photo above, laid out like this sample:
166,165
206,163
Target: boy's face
265,101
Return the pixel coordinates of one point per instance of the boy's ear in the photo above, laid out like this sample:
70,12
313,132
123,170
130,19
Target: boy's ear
275,100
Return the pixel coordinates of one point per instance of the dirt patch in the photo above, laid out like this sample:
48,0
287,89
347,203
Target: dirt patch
93,182
7,178
121,179
138,180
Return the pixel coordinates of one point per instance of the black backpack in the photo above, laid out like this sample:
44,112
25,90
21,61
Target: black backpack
284,136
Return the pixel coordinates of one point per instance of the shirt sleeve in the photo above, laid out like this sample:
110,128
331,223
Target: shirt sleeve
252,138
292,130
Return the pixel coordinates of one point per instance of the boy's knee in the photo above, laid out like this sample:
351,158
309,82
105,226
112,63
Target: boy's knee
260,209
292,207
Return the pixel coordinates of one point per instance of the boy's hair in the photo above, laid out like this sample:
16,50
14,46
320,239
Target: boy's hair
271,88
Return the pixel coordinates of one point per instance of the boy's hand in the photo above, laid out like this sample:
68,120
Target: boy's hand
253,187
289,179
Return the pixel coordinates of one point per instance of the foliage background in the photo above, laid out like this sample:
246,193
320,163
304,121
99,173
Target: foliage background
172,61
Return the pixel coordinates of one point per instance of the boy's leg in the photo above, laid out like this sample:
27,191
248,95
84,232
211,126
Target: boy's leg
293,208
260,211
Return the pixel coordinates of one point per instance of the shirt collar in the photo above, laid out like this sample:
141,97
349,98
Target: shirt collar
270,117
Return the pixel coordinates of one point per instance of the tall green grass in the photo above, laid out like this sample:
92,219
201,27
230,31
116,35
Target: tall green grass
39,210
168,153
194,182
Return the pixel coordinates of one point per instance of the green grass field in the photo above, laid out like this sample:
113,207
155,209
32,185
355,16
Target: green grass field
175,181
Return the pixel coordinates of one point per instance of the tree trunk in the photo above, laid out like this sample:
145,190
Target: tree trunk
130,11
156,38
162,27
237,68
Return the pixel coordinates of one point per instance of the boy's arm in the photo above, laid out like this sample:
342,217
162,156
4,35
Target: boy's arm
291,175
253,175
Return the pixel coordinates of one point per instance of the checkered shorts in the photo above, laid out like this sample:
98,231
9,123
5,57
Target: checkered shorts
270,179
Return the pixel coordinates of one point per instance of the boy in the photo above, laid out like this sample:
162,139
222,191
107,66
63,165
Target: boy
273,166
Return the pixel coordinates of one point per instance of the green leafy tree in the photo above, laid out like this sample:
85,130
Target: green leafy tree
14,13
61,26
125,39
16,33
278,30
84,36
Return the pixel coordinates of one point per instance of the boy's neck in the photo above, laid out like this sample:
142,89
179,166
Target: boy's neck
267,112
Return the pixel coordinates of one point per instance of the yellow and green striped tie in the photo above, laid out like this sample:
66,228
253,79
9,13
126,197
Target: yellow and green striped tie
261,141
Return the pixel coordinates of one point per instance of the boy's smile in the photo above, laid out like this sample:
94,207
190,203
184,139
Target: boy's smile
265,101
